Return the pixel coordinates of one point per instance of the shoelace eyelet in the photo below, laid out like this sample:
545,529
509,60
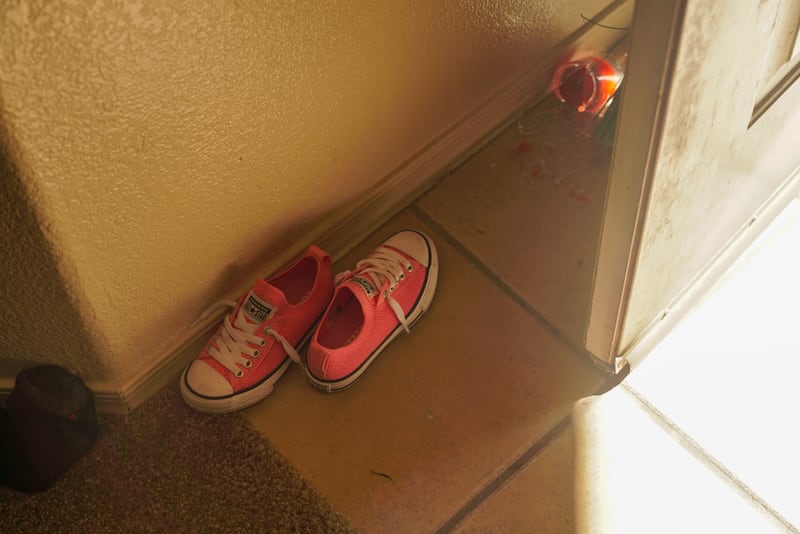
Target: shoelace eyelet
239,373
256,353
248,364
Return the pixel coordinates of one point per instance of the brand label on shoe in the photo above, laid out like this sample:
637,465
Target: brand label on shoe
256,309
366,285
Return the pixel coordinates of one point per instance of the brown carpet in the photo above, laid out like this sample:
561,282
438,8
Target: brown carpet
166,468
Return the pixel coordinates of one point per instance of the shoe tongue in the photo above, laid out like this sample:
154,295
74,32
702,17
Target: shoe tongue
365,284
261,302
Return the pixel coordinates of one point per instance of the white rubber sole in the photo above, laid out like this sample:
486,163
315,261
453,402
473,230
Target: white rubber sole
413,316
238,401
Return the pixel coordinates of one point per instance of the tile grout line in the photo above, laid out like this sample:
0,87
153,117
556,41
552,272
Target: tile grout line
706,458
519,463
497,281
505,475
553,433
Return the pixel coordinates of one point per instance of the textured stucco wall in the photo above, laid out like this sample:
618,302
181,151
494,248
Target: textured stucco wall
39,321
166,148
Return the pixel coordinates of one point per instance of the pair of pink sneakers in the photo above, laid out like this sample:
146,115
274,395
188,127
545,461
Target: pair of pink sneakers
349,324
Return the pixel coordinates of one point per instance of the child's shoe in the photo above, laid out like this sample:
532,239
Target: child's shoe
257,341
384,296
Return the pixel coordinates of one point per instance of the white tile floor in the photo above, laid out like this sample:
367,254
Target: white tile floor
727,376
635,475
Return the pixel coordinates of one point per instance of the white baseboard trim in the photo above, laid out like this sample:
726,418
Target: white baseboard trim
395,192
164,371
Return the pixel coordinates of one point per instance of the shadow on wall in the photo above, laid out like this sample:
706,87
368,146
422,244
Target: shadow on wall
38,317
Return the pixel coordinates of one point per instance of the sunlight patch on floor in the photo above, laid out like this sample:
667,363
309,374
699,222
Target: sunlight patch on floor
727,375
633,476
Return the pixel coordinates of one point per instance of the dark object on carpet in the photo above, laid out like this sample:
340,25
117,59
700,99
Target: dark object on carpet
49,425
166,468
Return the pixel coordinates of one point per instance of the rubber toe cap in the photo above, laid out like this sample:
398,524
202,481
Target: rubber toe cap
412,243
204,380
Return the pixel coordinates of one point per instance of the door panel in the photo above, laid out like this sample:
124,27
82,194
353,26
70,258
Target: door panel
711,164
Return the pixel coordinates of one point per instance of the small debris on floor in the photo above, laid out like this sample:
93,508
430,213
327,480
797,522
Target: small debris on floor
522,148
579,196
383,475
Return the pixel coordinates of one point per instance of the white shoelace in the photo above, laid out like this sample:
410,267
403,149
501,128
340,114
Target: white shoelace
388,268
235,338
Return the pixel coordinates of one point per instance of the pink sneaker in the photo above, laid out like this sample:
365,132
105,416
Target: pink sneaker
384,296
257,341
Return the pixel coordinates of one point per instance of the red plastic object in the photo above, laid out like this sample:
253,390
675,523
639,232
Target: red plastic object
586,84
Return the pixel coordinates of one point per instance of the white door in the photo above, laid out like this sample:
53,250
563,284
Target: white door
707,152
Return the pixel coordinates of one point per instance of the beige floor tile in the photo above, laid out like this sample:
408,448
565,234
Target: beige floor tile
439,414
540,237
538,499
